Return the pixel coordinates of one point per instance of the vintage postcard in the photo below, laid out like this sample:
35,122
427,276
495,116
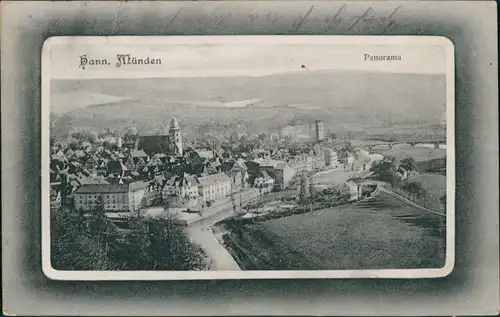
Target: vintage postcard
247,157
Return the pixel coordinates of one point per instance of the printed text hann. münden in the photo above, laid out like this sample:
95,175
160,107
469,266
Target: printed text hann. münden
121,60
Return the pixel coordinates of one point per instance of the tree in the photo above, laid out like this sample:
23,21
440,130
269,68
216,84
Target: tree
343,194
132,252
303,188
81,242
312,189
170,247
141,210
408,163
415,190
233,202
83,136
93,242
384,171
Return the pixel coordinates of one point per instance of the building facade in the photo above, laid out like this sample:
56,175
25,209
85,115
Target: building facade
318,162
280,171
347,159
264,182
352,190
153,194
236,179
113,197
180,188
302,164
239,166
213,187
331,158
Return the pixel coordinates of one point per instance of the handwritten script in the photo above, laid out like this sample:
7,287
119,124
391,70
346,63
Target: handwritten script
367,17
345,17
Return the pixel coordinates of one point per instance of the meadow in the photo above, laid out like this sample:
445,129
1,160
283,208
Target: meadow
434,184
380,233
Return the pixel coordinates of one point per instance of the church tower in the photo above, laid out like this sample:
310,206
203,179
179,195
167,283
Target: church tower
175,137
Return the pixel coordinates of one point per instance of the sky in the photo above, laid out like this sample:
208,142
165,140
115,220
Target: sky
241,59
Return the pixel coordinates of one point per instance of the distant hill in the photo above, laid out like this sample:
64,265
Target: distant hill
78,99
351,99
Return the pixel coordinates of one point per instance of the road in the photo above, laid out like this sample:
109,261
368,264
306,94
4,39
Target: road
221,259
201,233
212,215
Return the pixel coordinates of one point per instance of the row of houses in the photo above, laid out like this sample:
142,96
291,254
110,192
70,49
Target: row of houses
185,190
314,163
123,178
178,191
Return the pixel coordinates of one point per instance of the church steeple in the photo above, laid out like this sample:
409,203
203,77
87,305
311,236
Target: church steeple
173,124
175,136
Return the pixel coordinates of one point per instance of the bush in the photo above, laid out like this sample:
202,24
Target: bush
80,243
95,243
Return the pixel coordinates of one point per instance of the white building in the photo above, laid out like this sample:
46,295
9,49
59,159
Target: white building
239,166
301,163
347,159
114,197
331,158
353,190
213,187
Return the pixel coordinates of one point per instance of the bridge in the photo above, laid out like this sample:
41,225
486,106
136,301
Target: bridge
391,144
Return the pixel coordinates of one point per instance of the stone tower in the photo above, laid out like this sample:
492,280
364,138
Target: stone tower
175,137
320,131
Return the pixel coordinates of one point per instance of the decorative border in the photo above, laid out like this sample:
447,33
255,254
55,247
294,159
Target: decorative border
225,275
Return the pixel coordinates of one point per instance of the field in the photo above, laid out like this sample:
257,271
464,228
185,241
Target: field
432,166
434,184
381,233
